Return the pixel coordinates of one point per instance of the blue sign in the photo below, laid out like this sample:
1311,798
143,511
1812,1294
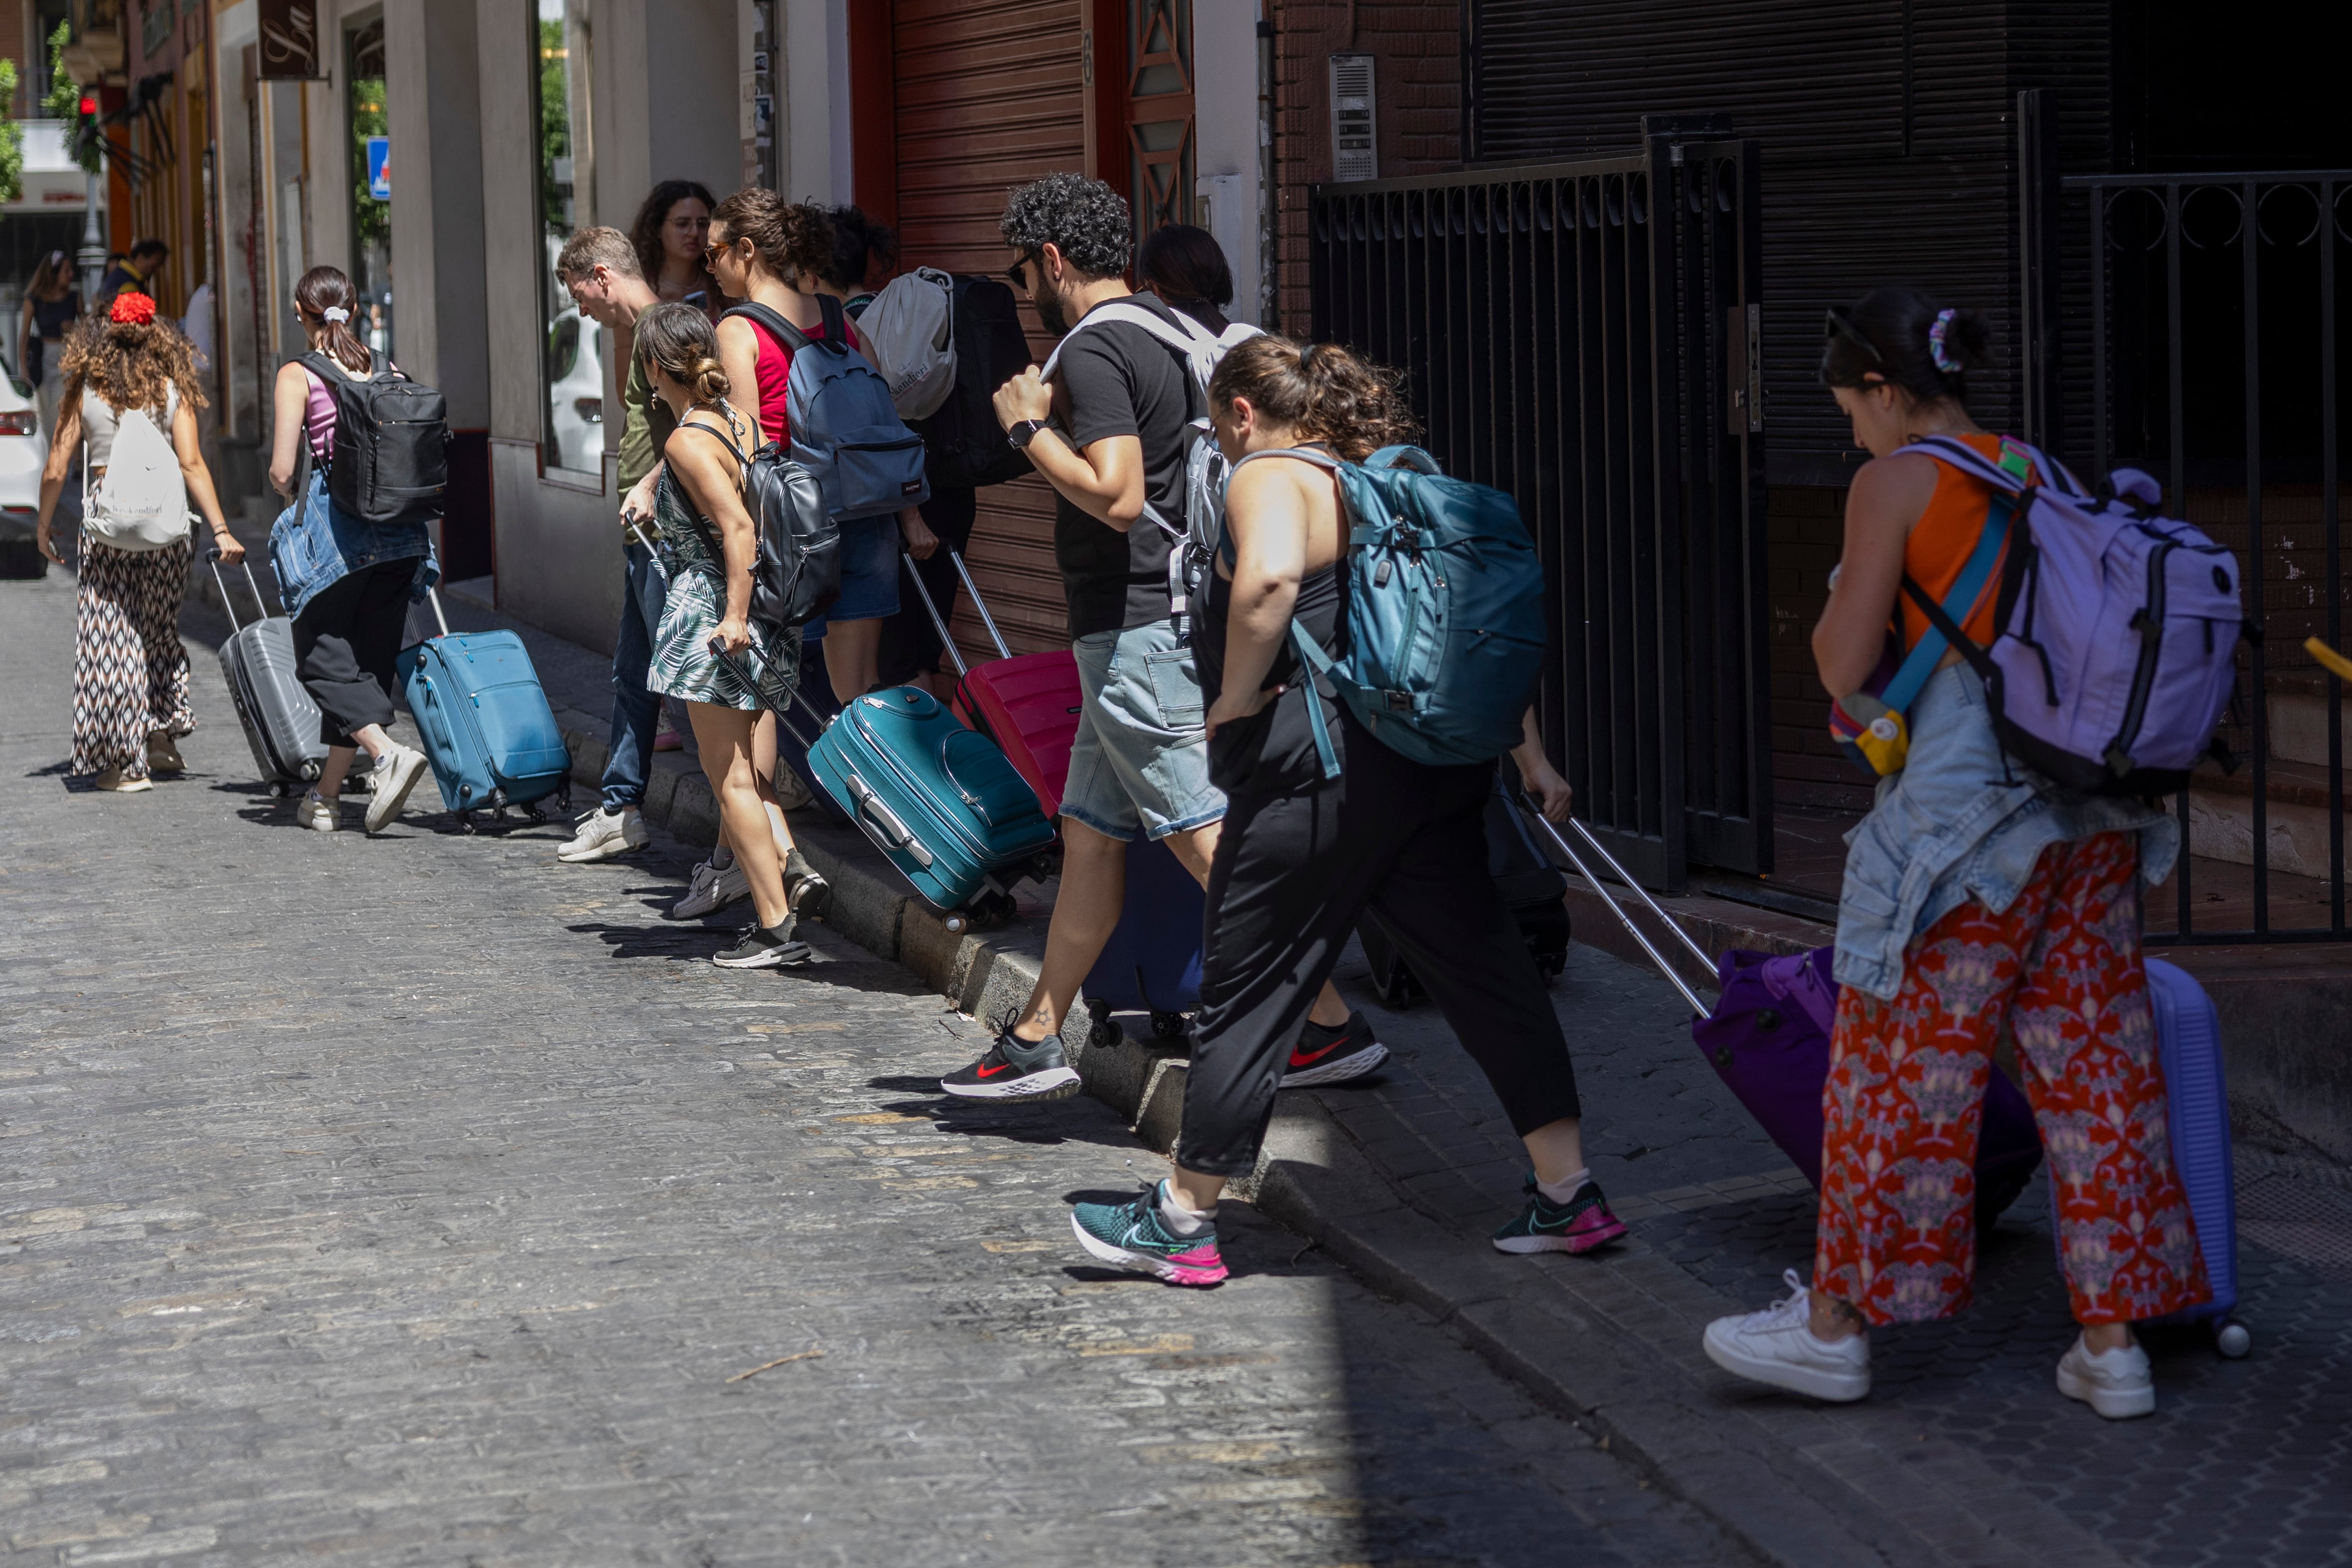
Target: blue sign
379,167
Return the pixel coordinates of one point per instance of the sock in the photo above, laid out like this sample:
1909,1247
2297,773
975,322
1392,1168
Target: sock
796,864
1562,1190
721,858
1180,1219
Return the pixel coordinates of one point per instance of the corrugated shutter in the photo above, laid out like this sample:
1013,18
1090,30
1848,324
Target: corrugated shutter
1880,163
987,98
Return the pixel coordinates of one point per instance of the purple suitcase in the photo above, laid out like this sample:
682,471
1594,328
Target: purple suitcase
1769,1039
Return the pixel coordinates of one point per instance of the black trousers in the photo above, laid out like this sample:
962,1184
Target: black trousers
911,644
1292,875
344,642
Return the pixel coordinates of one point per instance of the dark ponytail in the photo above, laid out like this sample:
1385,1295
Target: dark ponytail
325,289
1321,391
1906,337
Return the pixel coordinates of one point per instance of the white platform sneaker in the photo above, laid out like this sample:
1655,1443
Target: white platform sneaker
1778,1346
2118,1383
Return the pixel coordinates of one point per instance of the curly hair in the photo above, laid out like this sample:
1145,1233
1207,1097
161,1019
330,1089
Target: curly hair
128,364
1084,219
1320,391
794,239
675,338
645,236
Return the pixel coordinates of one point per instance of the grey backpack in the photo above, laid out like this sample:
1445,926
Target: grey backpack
844,428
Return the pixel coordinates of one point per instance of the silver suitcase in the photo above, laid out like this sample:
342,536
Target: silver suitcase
281,722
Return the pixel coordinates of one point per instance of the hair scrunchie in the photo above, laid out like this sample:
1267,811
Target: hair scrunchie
132,309
1935,349
334,313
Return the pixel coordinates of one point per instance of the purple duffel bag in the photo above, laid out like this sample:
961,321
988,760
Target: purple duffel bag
1769,1039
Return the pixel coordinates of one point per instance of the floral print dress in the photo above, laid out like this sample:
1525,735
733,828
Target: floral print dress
683,664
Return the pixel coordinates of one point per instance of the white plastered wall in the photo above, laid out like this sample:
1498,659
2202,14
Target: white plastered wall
813,119
1225,138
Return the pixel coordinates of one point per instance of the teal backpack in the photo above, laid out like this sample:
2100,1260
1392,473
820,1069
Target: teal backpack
1445,612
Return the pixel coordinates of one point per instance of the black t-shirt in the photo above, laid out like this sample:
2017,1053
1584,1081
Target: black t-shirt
1117,378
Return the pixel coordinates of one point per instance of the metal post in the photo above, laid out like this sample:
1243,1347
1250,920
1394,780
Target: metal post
92,259
2176,428
2251,228
2330,532
2038,186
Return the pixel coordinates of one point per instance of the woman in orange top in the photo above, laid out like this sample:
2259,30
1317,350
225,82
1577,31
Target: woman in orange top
1979,898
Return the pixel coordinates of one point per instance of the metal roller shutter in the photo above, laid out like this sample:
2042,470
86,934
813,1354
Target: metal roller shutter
987,96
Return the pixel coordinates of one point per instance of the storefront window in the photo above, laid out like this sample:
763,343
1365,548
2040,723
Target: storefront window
370,186
573,357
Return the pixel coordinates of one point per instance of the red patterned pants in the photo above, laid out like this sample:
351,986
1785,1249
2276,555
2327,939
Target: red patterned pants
130,672
2061,970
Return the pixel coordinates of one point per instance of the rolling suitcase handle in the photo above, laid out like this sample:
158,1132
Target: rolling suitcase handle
925,594
981,605
260,605
1657,957
742,667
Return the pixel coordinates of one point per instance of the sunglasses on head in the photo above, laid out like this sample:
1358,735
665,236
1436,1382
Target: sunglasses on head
1839,327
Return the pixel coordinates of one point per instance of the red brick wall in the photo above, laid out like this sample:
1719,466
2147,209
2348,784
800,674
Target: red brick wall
1419,81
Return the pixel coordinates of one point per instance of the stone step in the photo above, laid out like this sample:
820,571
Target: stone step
2296,819
2298,716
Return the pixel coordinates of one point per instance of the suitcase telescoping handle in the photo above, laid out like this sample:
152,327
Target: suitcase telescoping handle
1664,968
437,616
260,605
981,605
742,667
925,595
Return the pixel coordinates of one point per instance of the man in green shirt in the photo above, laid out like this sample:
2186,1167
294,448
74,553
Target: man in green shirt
599,268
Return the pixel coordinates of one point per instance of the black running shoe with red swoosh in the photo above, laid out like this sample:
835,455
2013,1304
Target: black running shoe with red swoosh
1333,1055
1014,1069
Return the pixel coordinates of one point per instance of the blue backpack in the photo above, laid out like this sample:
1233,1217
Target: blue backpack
844,429
1445,612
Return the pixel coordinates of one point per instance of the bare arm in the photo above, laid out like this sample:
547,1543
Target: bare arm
708,472
288,401
199,477
62,441
1536,772
1267,516
1888,496
1103,480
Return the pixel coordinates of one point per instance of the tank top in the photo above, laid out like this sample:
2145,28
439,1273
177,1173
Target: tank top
1272,752
1942,541
100,423
774,375
319,411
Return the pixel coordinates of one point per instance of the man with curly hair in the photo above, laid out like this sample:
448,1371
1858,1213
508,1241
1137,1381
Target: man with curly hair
1110,433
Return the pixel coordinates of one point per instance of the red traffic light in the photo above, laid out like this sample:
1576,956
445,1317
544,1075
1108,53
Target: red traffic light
88,104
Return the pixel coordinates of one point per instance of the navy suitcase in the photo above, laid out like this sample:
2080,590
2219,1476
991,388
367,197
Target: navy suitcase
1153,957
939,799
484,721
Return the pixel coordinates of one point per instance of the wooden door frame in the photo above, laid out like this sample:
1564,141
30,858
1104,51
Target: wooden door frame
873,111
1104,54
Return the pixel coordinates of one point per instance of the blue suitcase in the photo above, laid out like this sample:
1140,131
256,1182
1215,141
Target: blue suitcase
1152,960
940,800
484,723
2197,1124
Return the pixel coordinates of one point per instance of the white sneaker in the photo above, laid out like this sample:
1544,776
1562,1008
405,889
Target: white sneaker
603,835
319,816
2117,1383
1778,1346
396,773
711,889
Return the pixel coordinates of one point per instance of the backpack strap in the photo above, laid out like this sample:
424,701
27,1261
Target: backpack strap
743,475
1310,652
772,323
1943,619
836,324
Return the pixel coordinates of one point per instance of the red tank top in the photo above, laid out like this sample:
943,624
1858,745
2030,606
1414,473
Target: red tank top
774,375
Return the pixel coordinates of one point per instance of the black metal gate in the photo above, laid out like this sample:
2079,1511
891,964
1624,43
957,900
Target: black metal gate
1585,337
2210,358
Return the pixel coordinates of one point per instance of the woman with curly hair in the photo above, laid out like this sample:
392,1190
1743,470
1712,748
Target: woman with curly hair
130,672
1305,851
347,583
671,236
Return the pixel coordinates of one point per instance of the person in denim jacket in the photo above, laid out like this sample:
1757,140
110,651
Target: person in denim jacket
346,583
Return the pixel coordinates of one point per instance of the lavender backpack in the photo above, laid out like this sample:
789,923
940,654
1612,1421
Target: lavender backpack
1769,1039
2119,630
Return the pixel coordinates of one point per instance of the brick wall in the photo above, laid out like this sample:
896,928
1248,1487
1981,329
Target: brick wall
1418,48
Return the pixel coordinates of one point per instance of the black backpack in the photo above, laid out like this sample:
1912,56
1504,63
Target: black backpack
797,573
391,444
965,446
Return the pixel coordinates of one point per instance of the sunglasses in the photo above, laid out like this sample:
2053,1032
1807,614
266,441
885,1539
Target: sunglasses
711,252
1839,327
1017,274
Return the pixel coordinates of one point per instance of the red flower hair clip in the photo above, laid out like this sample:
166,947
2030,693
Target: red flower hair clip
132,309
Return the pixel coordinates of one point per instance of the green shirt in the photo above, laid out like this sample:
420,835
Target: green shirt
644,430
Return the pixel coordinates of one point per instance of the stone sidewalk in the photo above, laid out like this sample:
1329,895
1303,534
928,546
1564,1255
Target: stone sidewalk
1964,1455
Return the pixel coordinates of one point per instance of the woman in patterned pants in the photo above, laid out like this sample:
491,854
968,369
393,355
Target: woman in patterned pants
130,672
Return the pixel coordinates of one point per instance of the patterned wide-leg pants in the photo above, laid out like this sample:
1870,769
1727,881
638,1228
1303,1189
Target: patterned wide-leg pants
2061,969
130,671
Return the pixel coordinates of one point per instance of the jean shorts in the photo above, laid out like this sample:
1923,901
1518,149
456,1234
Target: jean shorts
869,573
1141,758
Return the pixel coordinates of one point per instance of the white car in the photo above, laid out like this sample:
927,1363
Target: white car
575,394
24,448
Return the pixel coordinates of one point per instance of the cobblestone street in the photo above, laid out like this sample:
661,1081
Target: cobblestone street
420,1200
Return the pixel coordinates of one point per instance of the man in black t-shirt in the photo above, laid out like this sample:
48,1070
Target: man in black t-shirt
1108,431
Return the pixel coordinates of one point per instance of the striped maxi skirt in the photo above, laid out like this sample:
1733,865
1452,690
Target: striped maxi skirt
131,670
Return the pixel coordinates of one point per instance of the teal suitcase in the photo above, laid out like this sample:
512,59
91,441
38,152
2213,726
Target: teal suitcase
487,730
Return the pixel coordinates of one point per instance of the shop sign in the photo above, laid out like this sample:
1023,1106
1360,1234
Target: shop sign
290,46
379,167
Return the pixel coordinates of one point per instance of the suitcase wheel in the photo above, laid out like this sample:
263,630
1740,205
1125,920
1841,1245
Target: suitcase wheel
466,822
537,814
1167,1026
985,909
2233,1338
278,791
1100,1031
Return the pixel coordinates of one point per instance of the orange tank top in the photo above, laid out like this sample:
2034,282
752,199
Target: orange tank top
1944,538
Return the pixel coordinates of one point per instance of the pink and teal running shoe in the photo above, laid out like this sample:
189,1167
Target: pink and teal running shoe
1579,1225
1132,1234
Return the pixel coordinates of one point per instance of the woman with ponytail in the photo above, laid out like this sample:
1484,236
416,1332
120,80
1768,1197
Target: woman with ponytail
1302,857
706,652
347,583
1980,900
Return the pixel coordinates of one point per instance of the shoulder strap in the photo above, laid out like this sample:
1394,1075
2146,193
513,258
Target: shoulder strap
723,437
1304,454
836,323
1180,338
773,321
1943,619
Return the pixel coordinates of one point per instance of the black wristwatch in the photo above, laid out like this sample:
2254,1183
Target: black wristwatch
1023,432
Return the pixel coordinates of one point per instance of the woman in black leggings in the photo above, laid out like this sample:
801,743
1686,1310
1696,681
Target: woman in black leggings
1302,857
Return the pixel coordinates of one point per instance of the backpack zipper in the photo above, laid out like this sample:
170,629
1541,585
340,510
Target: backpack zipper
2149,620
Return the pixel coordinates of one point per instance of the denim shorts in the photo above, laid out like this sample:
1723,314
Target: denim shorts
869,573
1142,758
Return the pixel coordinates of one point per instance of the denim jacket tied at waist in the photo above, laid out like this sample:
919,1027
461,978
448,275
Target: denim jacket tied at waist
317,544
1962,821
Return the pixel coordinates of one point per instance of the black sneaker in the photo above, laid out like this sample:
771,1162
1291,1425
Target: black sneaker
764,947
805,889
1333,1055
1015,1070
